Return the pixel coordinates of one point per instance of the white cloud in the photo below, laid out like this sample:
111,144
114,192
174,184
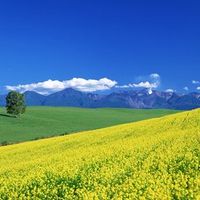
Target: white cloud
170,90
146,85
139,85
156,76
195,82
50,86
186,88
198,88
152,83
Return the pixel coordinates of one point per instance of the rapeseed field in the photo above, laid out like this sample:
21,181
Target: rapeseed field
151,159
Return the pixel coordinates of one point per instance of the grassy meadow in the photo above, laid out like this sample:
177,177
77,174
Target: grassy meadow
151,159
40,122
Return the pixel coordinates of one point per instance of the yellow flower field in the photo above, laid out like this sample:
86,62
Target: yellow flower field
151,159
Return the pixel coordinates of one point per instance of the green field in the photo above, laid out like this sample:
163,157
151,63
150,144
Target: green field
40,122
151,159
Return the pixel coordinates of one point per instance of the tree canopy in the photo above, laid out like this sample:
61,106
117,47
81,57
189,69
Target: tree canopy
15,103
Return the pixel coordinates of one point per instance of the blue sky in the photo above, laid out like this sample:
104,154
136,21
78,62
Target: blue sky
99,46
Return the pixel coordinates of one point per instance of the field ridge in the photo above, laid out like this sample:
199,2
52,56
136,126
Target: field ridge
41,122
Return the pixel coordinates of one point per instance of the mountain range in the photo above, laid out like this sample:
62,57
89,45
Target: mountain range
139,99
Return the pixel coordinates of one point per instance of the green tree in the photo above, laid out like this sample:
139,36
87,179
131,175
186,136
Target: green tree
15,103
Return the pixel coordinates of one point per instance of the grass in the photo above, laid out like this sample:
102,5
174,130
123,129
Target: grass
39,122
151,159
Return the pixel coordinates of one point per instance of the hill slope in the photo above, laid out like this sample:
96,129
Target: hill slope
33,98
2,100
150,159
120,99
40,122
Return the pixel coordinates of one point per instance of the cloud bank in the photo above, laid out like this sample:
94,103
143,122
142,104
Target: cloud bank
153,82
51,86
